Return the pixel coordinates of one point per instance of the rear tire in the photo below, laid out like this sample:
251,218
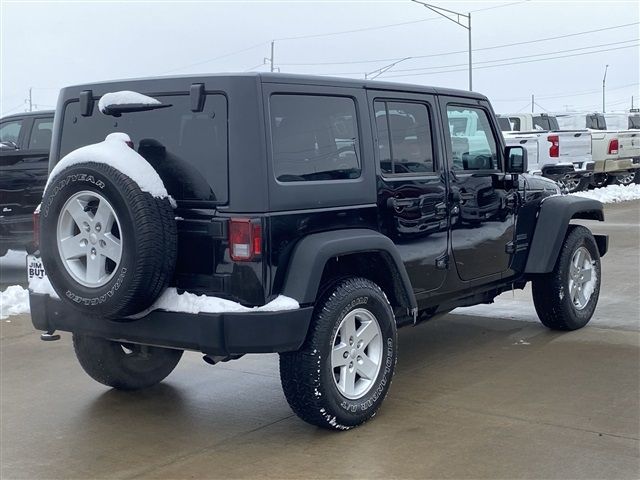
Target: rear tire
566,298
629,178
124,366
342,373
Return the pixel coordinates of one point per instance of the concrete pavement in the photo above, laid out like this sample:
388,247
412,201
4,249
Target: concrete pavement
475,396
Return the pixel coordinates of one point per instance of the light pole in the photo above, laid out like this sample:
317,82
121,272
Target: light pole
455,18
604,79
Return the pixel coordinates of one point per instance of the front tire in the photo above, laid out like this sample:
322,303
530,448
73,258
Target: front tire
566,298
342,373
124,366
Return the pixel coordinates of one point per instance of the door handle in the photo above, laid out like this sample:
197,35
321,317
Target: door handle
399,203
441,210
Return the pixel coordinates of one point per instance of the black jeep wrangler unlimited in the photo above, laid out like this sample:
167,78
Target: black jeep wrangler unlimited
234,214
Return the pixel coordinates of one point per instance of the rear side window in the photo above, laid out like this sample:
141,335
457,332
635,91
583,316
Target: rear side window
314,138
634,121
404,138
474,147
10,131
188,149
41,134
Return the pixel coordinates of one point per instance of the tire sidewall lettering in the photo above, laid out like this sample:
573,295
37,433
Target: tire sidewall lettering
102,298
64,182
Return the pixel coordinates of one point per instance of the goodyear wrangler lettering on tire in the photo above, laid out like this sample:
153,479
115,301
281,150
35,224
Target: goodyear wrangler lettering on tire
102,298
108,248
64,182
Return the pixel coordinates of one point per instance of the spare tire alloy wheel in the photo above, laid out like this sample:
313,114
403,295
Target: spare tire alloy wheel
109,249
89,239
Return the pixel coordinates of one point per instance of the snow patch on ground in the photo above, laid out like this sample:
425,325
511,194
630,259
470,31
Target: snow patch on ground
115,152
186,302
14,301
502,308
124,97
613,193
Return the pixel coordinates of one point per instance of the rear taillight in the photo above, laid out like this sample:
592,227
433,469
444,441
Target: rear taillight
613,147
554,149
245,239
36,228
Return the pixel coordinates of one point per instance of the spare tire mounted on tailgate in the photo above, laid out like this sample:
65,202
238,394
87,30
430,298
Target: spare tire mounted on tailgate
109,245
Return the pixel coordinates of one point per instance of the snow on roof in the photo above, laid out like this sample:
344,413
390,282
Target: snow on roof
124,97
115,152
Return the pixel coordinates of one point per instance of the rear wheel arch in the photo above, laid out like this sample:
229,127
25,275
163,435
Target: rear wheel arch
321,259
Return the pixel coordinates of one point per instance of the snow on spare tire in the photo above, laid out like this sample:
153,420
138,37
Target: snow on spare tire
108,241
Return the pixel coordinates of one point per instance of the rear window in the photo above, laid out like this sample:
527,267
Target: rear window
314,138
188,149
596,122
544,122
505,124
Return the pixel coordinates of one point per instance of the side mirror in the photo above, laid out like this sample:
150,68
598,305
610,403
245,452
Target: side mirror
516,160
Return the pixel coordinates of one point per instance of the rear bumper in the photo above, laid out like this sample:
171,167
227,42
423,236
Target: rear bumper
618,165
219,334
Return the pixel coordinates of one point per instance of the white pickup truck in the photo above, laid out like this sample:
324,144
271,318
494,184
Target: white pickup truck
564,156
615,152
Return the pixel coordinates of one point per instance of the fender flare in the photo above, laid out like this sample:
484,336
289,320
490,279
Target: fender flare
311,254
551,228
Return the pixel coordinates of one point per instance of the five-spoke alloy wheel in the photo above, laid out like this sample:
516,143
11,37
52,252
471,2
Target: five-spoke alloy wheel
89,238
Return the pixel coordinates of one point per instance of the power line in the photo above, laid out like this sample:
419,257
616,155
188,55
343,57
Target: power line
4,112
566,94
215,58
380,27
527,42
518,58
512,63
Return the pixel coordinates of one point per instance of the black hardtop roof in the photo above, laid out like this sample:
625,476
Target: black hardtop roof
37,113
286,78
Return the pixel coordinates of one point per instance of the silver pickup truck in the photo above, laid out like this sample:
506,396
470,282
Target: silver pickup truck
564,156
615,150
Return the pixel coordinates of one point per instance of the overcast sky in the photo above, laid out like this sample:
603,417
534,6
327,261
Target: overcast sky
47,45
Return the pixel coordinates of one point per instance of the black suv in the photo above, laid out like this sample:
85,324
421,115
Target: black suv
24,153
233,214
